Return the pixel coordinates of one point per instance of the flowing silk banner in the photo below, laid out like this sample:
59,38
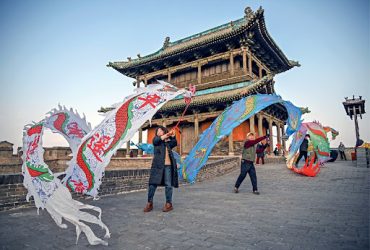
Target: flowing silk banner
223,125
92,151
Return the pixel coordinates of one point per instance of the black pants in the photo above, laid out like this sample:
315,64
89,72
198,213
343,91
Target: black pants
342,155
247,167
262,158
301,153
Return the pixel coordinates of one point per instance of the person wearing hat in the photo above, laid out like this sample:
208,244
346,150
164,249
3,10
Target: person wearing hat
303,149
248,156
164,170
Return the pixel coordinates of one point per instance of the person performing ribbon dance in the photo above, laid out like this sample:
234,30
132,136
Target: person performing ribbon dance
247,166
164,170
164,167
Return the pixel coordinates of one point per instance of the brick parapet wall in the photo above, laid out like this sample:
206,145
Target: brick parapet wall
59,165
117,179
218,168
347,151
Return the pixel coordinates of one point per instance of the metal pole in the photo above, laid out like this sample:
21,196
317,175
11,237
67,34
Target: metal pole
356,125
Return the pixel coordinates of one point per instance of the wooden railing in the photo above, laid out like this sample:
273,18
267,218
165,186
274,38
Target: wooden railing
221,79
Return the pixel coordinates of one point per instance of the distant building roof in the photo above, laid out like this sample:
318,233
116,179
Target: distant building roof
5,145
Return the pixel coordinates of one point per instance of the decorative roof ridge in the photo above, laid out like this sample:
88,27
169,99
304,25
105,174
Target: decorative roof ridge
206,32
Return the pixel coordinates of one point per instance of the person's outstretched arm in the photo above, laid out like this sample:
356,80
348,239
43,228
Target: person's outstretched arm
251,143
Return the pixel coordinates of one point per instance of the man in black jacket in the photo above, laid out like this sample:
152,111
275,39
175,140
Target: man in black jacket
164,169
303,149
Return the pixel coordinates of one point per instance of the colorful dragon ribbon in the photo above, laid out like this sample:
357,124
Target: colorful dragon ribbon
46,189
96,149
334,133
145,147
92,151
223,125
320,147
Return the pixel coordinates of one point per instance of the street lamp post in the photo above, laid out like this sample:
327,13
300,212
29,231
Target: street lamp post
355,107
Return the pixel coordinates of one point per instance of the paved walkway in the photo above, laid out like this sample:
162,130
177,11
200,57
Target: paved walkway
330,211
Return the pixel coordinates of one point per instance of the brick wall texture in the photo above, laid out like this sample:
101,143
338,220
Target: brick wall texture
122,175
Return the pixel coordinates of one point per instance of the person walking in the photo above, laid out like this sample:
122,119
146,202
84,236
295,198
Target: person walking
164,170
260,150
303,149
248,157
341,150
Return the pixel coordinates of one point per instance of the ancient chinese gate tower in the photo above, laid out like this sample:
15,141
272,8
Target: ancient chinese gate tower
225,63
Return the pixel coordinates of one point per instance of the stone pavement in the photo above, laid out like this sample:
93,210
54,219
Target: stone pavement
330,211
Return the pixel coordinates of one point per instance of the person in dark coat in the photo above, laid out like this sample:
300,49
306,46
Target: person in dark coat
276,151
341,149
164,169
303,149
260,150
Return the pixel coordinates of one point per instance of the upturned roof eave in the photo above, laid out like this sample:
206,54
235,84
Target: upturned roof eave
241,25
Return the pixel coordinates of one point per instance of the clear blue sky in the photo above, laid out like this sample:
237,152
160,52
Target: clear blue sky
55,52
